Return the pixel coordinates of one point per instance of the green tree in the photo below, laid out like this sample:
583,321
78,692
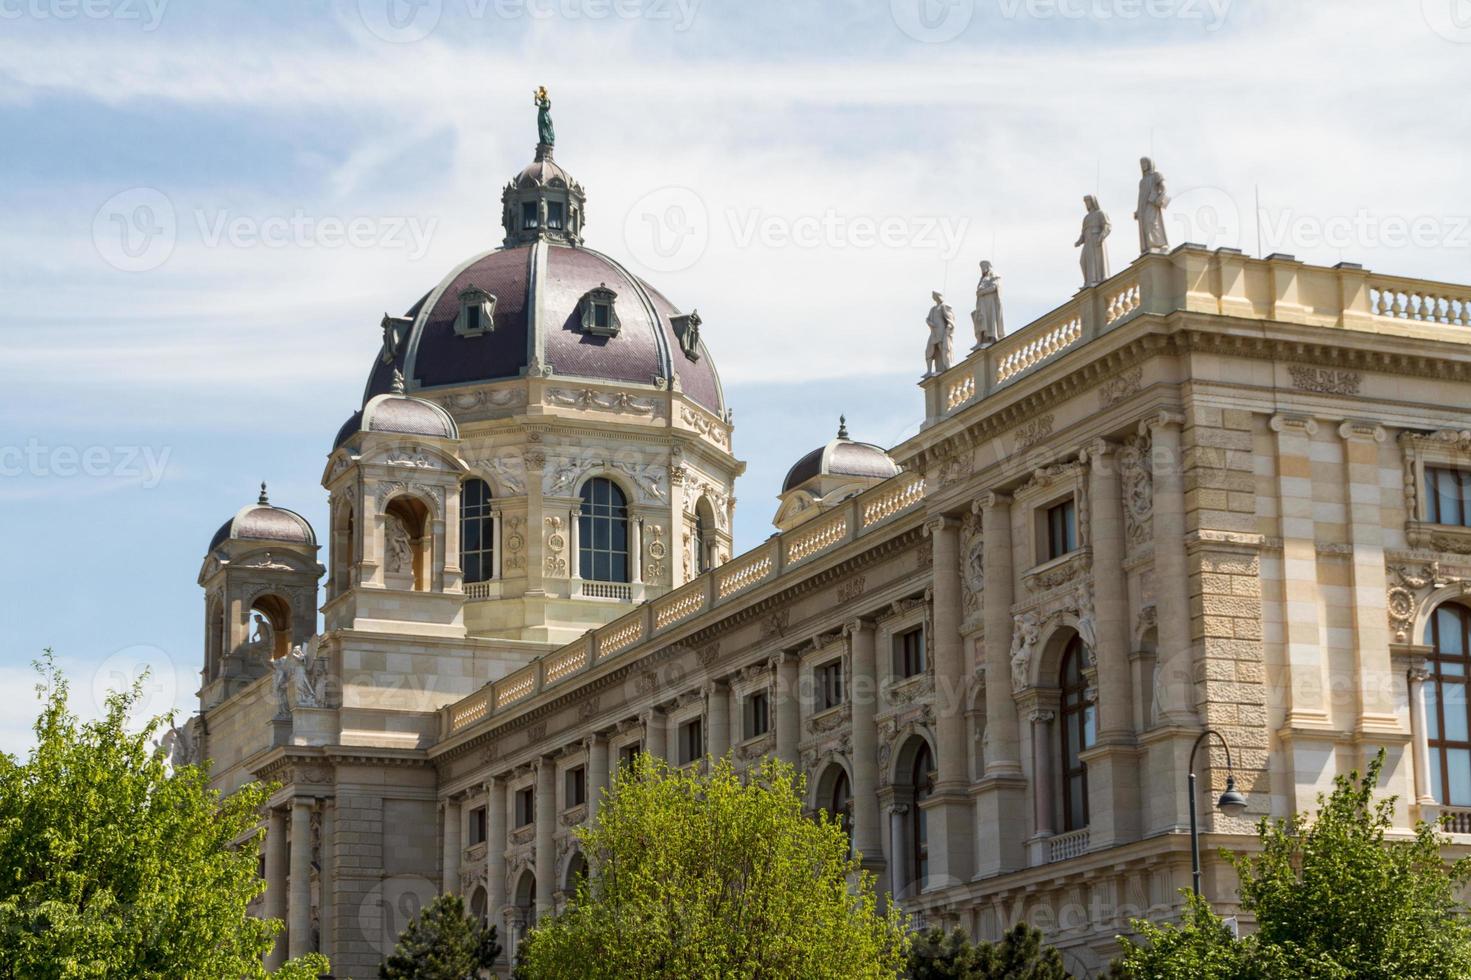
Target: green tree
110,866
1020,955
716,875
442,943
1332,898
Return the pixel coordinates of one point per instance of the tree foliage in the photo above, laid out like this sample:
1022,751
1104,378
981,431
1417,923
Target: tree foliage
716,875
442,943
1333,898
111,866
1020,955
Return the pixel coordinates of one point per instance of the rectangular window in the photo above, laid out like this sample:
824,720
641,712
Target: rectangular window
1062,529
628,754
576,788
528,215
909,653
691,741
1448,496
554,215
477,826
525,806
757,715
600,315
828,679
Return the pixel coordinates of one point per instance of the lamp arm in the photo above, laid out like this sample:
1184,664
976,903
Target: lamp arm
1201,740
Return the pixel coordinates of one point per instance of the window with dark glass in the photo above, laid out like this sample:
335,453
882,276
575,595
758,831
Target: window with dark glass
828,680
1062,529
600,316
575,792
923,776
528,215
477,826
909,654
554,215
840,806
603,532
702,543
1077,736
757,715
1448,496
629,754
1447,716
525,806
477,538
691,741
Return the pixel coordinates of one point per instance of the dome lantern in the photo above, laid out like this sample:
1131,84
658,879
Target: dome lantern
543,202
830,474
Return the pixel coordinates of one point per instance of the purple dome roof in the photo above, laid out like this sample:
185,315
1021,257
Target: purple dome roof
841,457
261,521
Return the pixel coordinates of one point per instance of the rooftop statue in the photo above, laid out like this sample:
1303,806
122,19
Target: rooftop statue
937,353
1151,213
987,315
544,132
1095,230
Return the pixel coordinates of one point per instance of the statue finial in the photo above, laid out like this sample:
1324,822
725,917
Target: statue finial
842,426
546,136
263,499
397,387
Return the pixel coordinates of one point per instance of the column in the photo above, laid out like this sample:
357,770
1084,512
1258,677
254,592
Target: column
452,847
1361,441
655,737
1041,721
949,812
299,925
788,706
1419,734
597,773
1000,796
863,694
717,718
495,545
327,879
1113,769
495,849
574,545
438,557
275,900
546,825
1171,571
636,550
898,851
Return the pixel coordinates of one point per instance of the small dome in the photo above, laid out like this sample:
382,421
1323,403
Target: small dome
842,457
399,413
261,521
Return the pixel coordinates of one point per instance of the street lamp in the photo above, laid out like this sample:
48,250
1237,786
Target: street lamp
1231,803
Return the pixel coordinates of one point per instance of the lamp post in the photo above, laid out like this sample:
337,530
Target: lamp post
1231,803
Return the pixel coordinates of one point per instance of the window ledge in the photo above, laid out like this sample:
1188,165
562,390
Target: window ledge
574,815
1059,571
1439,537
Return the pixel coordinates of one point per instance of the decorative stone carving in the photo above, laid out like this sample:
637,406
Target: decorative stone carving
987,316
306,676
555,542
972,563
400,552
1026,632
1150,212
656,550
1137,478
953,469
1055,575
1120,386
1327,381
939,350
687,330
562,477
181,744
1031,432
1087,624
709,428
508,472
620,402
481,397
775,624
851,589
1096,229
647,477
1407,582
515,543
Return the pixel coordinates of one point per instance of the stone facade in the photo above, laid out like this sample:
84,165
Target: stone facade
1193,496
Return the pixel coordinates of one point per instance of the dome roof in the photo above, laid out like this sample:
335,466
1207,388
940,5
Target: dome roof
397,412
842,457
261,521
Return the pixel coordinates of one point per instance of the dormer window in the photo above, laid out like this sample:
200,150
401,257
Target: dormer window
598,316
530,221
554,215
477,313
687,329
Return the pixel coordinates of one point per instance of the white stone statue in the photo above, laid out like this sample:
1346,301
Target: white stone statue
179,743
1095,231
400,556
308,673
1151,213
987,315
264,638
938,353
1028,630
1087,620
281,685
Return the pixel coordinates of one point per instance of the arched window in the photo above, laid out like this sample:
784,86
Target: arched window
477,537
407,544
704,536
840,806
924,786
603,532
1447,717
1077,735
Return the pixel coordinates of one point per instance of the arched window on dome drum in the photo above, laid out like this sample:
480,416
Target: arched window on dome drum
603,532
704,536
1077,736
924,786
477,531
1447,714
840,806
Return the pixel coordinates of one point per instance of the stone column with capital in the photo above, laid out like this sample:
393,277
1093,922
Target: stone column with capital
1001,819
1113,759
898,851
788,707
546,827
1419,674
656,736
299,916
275,898
327,879
450,811
495,848
717,718
1043,806
1370,583
597,772
950,814
863,690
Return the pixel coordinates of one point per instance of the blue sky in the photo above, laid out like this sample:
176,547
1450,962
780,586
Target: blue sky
207,208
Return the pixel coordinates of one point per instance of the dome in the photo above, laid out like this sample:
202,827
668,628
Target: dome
261,521
543,304
399,413
842,457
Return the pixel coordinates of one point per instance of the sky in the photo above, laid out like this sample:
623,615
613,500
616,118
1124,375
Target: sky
205,209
